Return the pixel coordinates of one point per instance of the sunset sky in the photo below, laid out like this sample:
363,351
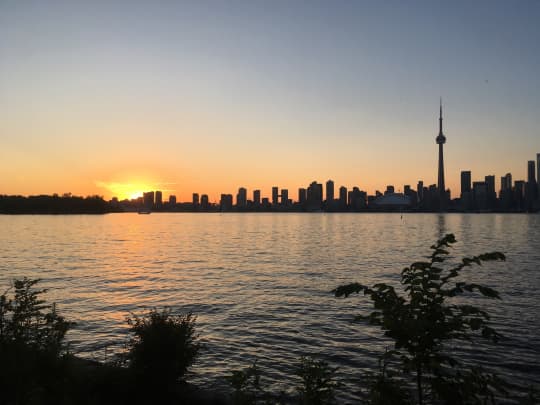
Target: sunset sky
119,97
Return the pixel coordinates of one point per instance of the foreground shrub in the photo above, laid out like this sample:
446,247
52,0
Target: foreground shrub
427,316
164,346
31,346
318,384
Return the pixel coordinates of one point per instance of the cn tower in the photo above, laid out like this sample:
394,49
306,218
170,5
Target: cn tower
441,140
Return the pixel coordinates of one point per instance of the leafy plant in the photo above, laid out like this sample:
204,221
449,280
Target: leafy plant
427,316
164,346
246,384
27,320
31,345
318,384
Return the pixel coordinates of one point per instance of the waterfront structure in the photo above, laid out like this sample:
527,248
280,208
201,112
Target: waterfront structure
275,193
491,195
441,140
302,196
148,199
343,196
172,200
531,192
314,196
159,199
465,181
538,171
329,191
241,198
204,202
257,197
226,202
284,197
420,190
195,199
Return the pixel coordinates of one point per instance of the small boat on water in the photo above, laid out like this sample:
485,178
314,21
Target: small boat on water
140,212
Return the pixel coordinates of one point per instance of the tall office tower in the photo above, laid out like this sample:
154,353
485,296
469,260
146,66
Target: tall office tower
343,195
465,181
148,199
159,198
226,202
275,193
314,195
172,200
204,202
441,140
329,191
284,196
407,189
480,195
505,194
302,195
531,177
491,195
195,199
389,190
420,190
531,187
257,197
241,198
538,170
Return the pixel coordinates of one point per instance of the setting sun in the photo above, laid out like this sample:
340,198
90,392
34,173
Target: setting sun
127,190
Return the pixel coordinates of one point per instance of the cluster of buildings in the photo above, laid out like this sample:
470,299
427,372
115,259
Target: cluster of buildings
476,196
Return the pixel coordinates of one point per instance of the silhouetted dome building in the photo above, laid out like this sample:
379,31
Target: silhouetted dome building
391,201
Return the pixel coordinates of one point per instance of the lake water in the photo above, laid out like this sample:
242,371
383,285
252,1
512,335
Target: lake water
260,283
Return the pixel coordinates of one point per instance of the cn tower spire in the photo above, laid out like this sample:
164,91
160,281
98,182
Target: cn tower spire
441,140
440,116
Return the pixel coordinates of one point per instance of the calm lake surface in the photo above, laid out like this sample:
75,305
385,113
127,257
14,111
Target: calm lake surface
260,283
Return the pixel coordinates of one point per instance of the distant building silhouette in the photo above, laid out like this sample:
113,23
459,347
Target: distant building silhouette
275,194
531,186
195,200
302,196
226,202
257,197
284,197
241,198
159,199
491,195
148,199
465,181
314,196
204,202
538,172
329,191
343,197
172,200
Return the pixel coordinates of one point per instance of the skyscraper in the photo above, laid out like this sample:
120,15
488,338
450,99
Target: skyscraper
531,177
465,181
159,198
284,197
241,198
343,196
257,197
329,191
441,140
275,193
538,170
